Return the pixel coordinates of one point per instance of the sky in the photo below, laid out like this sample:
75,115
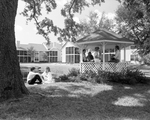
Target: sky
26,33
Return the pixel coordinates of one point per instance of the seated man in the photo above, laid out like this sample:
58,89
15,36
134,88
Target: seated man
33,77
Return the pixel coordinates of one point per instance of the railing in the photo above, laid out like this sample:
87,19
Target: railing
109,66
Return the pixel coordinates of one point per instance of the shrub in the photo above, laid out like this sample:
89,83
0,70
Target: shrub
128,77
93,77
73,72
146,59
64,78
88,76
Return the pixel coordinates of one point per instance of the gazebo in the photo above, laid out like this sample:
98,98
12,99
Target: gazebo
106,40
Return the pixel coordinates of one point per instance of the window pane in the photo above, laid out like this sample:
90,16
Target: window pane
21,52
25,52
67,50
76,50
51,53
29,59
77,58
21,59
67,58
71,50
55,59
56,53
71,60
25,59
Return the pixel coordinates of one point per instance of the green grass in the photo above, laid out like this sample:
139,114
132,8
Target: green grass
56,68
59,68
80,101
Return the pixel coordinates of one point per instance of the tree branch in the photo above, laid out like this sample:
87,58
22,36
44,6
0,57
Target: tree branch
69,11
37,23
135,34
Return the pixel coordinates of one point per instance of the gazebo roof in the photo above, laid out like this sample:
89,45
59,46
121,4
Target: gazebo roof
104,36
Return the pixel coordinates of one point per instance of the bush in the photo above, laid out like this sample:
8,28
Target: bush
87,75
146,59
128,77
73,72
70,77
63,78
91,76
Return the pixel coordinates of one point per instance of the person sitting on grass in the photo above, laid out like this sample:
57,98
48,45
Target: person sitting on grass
33,77
47,76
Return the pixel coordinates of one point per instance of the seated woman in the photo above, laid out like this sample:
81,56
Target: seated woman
116,57
90,57
47,76
97,55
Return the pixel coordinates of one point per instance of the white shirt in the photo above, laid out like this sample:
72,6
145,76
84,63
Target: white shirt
96,57
47,77
31,75
117,55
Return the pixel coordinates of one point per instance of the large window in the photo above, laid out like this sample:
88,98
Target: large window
23,56
53,56
72,55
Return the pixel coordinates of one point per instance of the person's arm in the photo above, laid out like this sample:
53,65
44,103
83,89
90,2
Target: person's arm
43,76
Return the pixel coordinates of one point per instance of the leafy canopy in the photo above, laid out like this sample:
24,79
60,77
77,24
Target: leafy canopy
95,22
133,18
33,11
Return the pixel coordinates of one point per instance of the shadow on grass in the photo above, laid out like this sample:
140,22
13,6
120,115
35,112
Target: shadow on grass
66,101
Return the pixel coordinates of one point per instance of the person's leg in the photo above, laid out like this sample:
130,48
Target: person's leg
37,77
32,81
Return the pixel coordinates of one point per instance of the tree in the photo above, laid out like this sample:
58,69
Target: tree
31,52
32,11
45,56
11,81
133,17
95,23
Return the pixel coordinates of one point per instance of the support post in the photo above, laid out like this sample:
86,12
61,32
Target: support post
124,54
104,55
81,59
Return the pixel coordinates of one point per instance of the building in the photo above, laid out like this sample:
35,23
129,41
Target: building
39,52
54,52
70,53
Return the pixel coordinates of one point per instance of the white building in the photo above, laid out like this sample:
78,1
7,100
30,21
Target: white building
42,52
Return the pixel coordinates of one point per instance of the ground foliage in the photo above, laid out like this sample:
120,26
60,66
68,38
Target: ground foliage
127,76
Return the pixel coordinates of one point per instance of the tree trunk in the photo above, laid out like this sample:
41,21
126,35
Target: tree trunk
11,81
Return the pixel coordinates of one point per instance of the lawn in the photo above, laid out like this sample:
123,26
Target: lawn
59,68
80,101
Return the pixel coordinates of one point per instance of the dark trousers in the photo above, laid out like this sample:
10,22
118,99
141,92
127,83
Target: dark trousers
33,80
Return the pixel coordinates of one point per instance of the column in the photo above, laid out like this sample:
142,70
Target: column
124,54
103,56
81,59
